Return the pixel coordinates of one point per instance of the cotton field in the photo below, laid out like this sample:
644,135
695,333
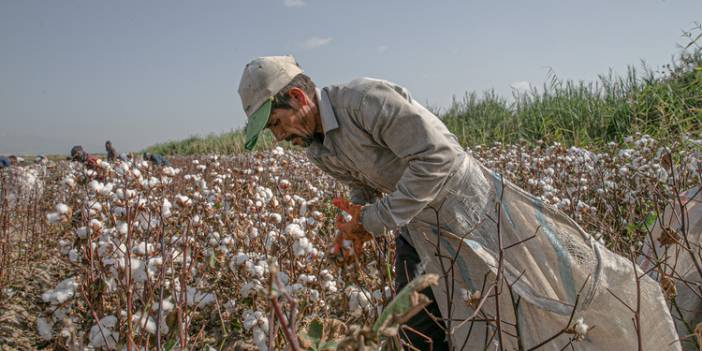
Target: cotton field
211,252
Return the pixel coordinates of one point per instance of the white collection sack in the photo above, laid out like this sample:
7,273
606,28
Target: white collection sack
679,265
546,272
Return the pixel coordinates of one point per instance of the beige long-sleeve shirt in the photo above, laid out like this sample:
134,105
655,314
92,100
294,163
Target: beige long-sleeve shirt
377,138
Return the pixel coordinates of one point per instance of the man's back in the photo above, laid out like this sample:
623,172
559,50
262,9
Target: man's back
378,137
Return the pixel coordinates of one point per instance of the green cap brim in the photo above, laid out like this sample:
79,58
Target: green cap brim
257,122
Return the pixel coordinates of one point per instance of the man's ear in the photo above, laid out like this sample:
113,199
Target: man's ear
298,96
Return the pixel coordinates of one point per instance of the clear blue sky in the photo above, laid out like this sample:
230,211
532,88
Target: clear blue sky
141,72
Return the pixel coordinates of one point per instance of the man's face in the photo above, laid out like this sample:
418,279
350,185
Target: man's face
296,124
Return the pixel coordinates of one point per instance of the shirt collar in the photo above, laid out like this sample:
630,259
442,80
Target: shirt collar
326,112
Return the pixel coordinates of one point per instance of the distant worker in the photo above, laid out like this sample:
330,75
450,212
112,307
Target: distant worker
124,157
111,152
79,155
4,162
41,159
156,159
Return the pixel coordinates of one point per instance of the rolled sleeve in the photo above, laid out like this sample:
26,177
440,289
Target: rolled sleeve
418,137
371,220
360,194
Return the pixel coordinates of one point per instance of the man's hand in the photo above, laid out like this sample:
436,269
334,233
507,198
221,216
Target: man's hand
352,230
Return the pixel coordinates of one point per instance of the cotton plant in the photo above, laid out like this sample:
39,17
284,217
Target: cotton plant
205,233
588,185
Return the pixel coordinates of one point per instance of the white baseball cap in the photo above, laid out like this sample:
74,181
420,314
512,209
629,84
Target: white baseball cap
262,79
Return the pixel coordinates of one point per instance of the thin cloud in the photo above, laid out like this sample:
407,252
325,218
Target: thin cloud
521,87
294,3
381,48
315,42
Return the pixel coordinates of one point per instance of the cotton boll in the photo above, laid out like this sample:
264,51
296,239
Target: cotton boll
166,306
258,324
199,299
254,319
102,334
212,242
295,288
122,228
240,258
122,168
119,211
329,285
60,313
81,232
227,241
259,269
271,238
580,329
250,288
69,181
294,230
110,284
139,271
358,300
95,186
64,246
63,209
95,208
317,216
74,256
95,225
307,279
284,184
147,323
64,291
142,248
166,208
303,208
107,189
302,247
53,217
44,327
183,201
276,218
662,175
260,339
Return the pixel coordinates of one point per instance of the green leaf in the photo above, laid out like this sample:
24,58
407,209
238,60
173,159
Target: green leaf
630,229
402,303
315,330
213,261
236,326
327,345
169,344
650,221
